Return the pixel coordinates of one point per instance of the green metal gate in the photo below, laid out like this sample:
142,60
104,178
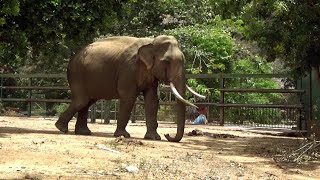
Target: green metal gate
311,99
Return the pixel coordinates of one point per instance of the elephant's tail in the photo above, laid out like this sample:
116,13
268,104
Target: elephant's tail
68,72
71,61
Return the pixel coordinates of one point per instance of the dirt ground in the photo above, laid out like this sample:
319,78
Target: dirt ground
31,148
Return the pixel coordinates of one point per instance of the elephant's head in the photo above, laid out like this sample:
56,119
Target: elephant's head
164,59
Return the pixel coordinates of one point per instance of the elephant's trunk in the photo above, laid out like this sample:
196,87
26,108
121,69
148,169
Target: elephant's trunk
181,111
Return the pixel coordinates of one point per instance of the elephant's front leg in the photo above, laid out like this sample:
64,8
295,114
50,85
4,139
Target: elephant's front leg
126,105
151,110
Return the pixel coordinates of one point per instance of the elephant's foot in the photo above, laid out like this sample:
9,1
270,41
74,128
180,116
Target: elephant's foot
121,132
62,126
82,130
152,135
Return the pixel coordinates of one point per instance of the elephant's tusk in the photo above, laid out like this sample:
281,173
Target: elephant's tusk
195,93
176,93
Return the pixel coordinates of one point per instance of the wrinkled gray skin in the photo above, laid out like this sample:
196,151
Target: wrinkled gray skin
120,68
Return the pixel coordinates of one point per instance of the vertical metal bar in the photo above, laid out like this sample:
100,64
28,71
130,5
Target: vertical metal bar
299,120
251,114
302,117
134,114
255,114
102,111
310,98
107,112
93,113
277,122
293,118
115,110
288,123
240,114
95,107
221,79
270,116
300,125
1,84
208,112
274,118
263,114
257,122
29,96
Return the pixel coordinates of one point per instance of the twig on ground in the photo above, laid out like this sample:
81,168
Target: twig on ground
313,145
308,149
108,149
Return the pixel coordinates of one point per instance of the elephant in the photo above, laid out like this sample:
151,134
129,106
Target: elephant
122,67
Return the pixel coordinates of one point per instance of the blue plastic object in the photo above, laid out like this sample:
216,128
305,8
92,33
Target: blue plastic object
201,119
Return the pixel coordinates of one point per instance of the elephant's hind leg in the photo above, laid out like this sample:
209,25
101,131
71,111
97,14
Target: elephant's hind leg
82,123
126,106
65,117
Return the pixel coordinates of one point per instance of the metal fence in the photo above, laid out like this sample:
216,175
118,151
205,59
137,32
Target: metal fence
30,91
274,115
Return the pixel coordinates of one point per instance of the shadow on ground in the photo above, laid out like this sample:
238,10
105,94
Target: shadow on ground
16,130
268,147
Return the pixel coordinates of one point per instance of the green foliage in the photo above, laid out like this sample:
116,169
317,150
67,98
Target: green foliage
208,49
59,108
148,18
229,8
11,7
285,29
253,65
43,34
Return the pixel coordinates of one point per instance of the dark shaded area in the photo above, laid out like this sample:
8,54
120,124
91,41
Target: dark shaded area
267,147
16,130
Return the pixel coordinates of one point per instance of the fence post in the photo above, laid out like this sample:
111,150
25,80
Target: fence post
102,110
107,112
116,110
93,113
208,108
1,84
221,81
301,119
29,96
133,115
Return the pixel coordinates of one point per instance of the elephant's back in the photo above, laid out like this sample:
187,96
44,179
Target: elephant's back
102,55
108,49
114,43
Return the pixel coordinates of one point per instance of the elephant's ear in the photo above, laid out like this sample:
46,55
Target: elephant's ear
146,54
166,50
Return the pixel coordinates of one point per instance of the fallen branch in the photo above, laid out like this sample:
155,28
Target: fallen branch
308,150
312,146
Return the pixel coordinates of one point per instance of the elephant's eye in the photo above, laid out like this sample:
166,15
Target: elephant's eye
169,59
166,61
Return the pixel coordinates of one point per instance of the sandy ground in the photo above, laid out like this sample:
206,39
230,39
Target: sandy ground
31,148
